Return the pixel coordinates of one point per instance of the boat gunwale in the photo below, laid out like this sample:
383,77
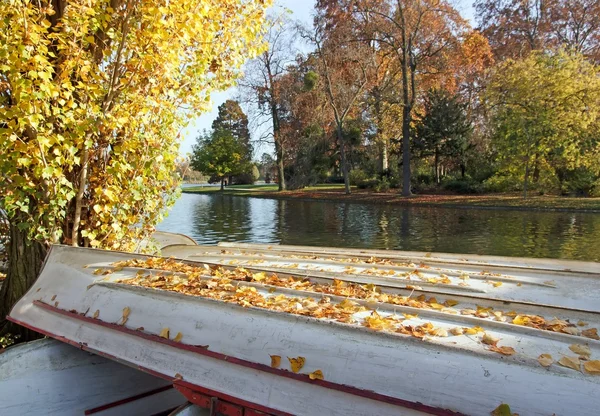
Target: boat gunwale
223,357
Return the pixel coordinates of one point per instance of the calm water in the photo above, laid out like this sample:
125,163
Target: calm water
213,218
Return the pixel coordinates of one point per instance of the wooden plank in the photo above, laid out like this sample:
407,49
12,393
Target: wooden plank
48,377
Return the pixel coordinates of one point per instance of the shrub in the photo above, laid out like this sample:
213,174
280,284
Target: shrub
503,183
463,186
357,177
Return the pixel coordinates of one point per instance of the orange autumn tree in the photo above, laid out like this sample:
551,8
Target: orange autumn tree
92,96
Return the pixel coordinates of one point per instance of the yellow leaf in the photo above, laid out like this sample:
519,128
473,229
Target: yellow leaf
450,303
592,367
474,330
591,333
96,314
581,323
570,362
164,333
178,376
275,361
126,312
316,375
521,320
545,360
582,350
438,332
178,337
297,363
259,277
502,410
497,284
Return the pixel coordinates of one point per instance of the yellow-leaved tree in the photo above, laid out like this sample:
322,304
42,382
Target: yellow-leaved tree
93,95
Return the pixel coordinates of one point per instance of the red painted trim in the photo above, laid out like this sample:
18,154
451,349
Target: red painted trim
213,393
261,367
127,400
188,389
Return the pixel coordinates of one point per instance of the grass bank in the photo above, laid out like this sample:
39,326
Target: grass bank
336,193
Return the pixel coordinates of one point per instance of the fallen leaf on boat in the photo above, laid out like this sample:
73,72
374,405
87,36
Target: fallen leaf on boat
473,331
98,272
164,333
178,376
53,297
545,360
316,375
141,328
178,337
56,304
275,361
450,303
297,363
521,320
502,410
259,277
126,312
592,367
570,362
376,322
502,350
583,351
497,284
571,330
489,339
439,332
581,323
591,333
457,331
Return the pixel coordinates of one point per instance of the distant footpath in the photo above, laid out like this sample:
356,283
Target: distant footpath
481,201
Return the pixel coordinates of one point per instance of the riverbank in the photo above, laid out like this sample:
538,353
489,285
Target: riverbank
336,193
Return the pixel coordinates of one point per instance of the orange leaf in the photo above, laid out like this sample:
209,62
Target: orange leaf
591,333
592,367
297,363
275,361
545,360
164,333
316,375
570,362
502,350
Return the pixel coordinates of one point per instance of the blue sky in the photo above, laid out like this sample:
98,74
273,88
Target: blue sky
302,10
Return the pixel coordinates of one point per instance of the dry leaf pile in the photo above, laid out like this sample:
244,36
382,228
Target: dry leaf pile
222,284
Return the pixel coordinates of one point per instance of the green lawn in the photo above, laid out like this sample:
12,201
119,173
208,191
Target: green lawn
328,192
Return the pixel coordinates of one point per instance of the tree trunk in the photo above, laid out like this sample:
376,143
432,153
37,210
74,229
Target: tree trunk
344,160
526,180
25,259
436,163
536,168
463,170
385,164
406,151
280,168
222,184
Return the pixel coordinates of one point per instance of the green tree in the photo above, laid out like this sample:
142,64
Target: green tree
231,117
444,130
92,97
220,154
545,110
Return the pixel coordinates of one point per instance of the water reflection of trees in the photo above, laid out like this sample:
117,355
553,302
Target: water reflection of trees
497,232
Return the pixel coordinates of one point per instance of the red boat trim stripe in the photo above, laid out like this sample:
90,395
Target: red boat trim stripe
262,367
84,347
127,400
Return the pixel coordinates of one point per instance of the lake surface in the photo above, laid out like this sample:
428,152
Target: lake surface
210,219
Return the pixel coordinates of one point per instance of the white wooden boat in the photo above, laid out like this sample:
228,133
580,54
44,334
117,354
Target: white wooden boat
556,283
224,351
48,377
